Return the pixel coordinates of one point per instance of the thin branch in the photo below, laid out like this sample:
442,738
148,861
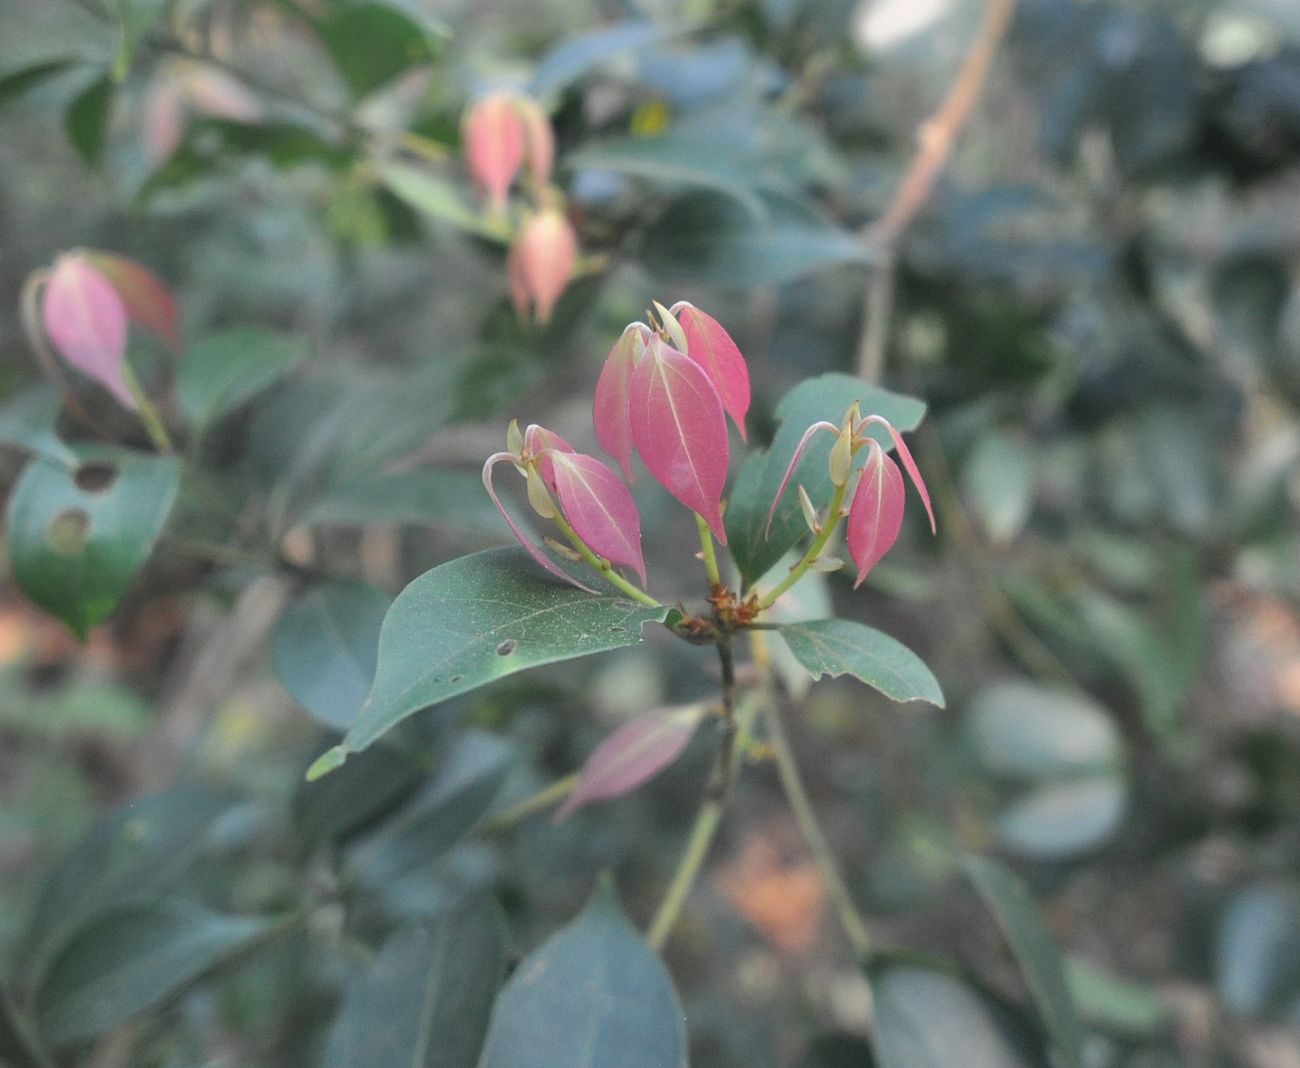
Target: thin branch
937,136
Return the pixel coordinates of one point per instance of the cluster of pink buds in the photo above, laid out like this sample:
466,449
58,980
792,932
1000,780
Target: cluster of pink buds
83,304
502,133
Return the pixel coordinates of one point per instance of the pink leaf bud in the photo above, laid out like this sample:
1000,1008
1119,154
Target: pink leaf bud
214,92
609,410
680,430
539,142
493,135
162,120
86,322
543,257
876,515
909,464
143,294
599,508
709,345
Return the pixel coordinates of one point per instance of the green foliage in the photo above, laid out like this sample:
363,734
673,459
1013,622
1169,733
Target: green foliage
222,371
841,647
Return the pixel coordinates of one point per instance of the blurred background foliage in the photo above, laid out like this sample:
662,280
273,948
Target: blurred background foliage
1100,303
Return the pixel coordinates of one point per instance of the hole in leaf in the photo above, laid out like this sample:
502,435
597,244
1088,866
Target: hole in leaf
506,647
95,477
68,532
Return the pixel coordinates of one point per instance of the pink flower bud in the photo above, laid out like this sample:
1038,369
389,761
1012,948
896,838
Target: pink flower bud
541,262
709,345
493,135
539,142
144,296
876,515
86,322
680,430
609,409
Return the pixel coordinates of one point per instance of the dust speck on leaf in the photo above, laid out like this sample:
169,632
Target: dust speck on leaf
506,647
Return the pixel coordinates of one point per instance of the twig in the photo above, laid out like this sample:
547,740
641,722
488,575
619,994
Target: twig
937,136
530,806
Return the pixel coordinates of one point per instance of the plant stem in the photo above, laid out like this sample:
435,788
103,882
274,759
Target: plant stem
530,806
605,568
710,556
148,413
814,550
855,927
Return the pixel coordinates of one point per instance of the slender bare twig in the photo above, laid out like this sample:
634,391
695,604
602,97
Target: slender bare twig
937,136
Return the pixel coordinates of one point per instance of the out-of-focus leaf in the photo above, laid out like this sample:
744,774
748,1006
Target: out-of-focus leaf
365,788
843,647
221,371
135,18
324,649
1026,731
754,547
634,754
998,483
435,196
449,498
77,538
425,1001
88,704
15,83
576,56
1116,1005
86,120
594,994
20,1045
27,423
480,618
929,1019
1257,949
436,818
372,43
1059,820
1176,453
1035,951
132,958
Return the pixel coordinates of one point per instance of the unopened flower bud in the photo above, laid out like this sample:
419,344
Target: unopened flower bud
809,512
841,458
494,138
541,263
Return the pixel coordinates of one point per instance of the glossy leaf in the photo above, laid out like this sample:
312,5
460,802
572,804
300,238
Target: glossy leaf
876,515
929,1019
709,345
1035,951
424,1001
635,753
86,323
77,538
478,619
610,412
842,647
131,959
680,431
144,295
593,995
324,649
755,549
221,371
599,507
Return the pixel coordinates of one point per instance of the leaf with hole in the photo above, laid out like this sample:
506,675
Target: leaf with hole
78,538
424,1002
593,995
842,647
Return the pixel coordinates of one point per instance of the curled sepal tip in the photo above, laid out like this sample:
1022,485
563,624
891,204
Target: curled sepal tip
794,462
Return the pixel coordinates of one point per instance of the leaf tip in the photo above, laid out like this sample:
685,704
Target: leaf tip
330,760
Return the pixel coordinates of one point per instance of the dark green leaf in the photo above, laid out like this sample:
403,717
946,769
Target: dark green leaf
425,1001
20,1046
826,397
363,789
132,958
478,619
1035,951
372,43
324,649
448,497
713,240
15,83
27,422
77,539
929,1019
440,815
221,371
87,120
593,995
842,647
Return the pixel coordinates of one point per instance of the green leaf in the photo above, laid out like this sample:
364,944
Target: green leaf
575,56
137,851
1062,819
372,43
1113,1004
448,497
478,619
20,1046
86,120
825,397
1035,952
593,995
842,647
1257,949
425,1000
672,162
363,789
27,422
711,239
77,538
448,808
1025,731
435,196
324,649
997,481
135,18
221,371
928,1019
15,83
132,958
